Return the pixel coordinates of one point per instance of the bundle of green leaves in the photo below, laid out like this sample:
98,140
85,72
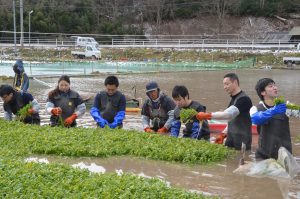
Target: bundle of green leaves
186,115
281,100
23,112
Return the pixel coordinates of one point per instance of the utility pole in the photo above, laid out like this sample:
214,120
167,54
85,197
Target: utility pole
29,26
15,36
21,24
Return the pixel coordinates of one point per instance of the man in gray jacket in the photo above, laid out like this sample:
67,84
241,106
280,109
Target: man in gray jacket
157,110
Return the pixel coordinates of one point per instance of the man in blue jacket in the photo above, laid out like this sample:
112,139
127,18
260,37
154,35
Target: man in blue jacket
109,105
271,120
21,81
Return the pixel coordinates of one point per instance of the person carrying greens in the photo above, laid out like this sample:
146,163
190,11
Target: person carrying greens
271,120
14,103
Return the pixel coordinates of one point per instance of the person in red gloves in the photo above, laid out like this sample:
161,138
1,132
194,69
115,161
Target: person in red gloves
15,100
64,103
238,129
157,111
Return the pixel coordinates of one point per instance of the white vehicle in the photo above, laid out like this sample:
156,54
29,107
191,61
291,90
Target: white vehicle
87,52
289,61
85,41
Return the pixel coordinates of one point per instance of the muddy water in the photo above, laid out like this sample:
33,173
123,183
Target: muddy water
215,180
205,87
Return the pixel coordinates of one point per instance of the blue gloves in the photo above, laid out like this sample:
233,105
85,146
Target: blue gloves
261,117
119,117
113,125
278,109
117,120
175,128
196,131
97,117
102,123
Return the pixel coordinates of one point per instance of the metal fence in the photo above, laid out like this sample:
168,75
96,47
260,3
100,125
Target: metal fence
38,40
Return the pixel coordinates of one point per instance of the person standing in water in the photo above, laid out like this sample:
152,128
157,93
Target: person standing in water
21,81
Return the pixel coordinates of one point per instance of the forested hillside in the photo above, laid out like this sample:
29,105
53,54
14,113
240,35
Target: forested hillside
133,16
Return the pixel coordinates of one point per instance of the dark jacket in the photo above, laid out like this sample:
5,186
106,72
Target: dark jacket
21,81
158,109
68,102
18,101
109,105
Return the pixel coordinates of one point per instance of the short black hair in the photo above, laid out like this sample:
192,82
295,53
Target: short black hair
232,77
261,86
180,91
111,80
6,89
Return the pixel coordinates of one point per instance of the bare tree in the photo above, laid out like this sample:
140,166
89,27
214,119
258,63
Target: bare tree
221,8
261,4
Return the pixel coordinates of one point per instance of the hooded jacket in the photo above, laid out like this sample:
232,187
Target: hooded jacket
21,81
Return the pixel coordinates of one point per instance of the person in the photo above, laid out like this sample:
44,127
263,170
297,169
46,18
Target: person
64,104
109,105
238,129
193,128
271,120
21,81
157,111
15,100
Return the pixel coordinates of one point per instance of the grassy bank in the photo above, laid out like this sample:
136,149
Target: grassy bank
272,58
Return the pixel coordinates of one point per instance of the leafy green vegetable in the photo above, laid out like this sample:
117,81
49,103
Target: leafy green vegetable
186,115
33,180
23,112
32,139
281,100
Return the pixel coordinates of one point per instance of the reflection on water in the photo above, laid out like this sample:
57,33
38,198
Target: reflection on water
205,87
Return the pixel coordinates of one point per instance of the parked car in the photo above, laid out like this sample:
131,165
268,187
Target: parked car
85,41
87,52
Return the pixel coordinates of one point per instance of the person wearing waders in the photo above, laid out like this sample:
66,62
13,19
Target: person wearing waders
271,120
238,129
109,105
15,100
21,81
157,111
193,128
64,104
